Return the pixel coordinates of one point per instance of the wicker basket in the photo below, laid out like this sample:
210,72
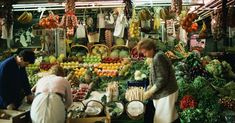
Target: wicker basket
118,115
100,45
135,117
102,108
76,47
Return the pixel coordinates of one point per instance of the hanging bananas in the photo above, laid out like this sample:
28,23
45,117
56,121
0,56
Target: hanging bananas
25,17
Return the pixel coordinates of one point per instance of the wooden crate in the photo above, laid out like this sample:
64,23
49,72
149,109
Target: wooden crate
16,117
105,119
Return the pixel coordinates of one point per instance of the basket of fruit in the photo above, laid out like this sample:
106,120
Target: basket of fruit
79,51
121,51
100,50
136,55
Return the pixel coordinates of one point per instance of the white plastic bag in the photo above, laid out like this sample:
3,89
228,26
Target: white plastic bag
80,32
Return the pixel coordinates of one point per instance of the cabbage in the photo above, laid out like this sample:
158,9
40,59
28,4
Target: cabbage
123,54
114,53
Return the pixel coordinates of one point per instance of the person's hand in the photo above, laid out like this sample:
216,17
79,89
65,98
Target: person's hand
30,98
11,107
149,93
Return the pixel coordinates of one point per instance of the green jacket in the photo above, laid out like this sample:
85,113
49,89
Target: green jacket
162,75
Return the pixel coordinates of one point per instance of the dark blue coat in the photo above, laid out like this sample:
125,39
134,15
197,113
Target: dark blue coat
13,81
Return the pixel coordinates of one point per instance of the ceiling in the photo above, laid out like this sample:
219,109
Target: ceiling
205,10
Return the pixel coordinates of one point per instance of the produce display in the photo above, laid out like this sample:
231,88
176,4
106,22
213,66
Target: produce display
134,93
119,51
46,66
100,50
91,59
112,92
69,65
80,71
80,93
112,60
110,77
135,54
115,109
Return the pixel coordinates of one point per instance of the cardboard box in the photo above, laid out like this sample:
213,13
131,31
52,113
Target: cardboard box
16,117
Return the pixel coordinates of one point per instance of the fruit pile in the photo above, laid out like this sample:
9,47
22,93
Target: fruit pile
69,65
32,67
227,103
100,50
106,69
122,53
136,55
111,60
187,22
80,72
49,22
91,59
80,94
46,66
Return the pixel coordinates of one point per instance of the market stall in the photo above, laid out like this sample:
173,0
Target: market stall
96,44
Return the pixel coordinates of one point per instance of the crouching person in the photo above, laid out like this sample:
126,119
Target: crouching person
53,96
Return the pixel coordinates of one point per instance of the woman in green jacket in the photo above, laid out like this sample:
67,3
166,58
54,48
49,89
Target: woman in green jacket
164,89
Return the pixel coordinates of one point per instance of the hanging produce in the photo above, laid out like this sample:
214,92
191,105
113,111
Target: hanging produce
216,25
69,20
128,8
157,19
49,22
176,6
188,24
134,26
25,17
108,38
202,33
165,14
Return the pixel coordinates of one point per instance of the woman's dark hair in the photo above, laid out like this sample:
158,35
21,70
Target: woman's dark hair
27,55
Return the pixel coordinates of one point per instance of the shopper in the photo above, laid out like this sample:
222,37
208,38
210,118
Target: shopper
53,96
14,79
164,89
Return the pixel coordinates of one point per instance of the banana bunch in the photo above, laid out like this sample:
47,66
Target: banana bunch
134,28
157,19
25,17
202,33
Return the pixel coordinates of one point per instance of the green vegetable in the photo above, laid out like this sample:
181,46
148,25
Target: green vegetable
199,82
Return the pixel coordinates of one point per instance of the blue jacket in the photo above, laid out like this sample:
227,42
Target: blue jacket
13,81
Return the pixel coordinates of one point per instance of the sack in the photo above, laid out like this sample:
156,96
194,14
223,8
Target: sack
80,32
